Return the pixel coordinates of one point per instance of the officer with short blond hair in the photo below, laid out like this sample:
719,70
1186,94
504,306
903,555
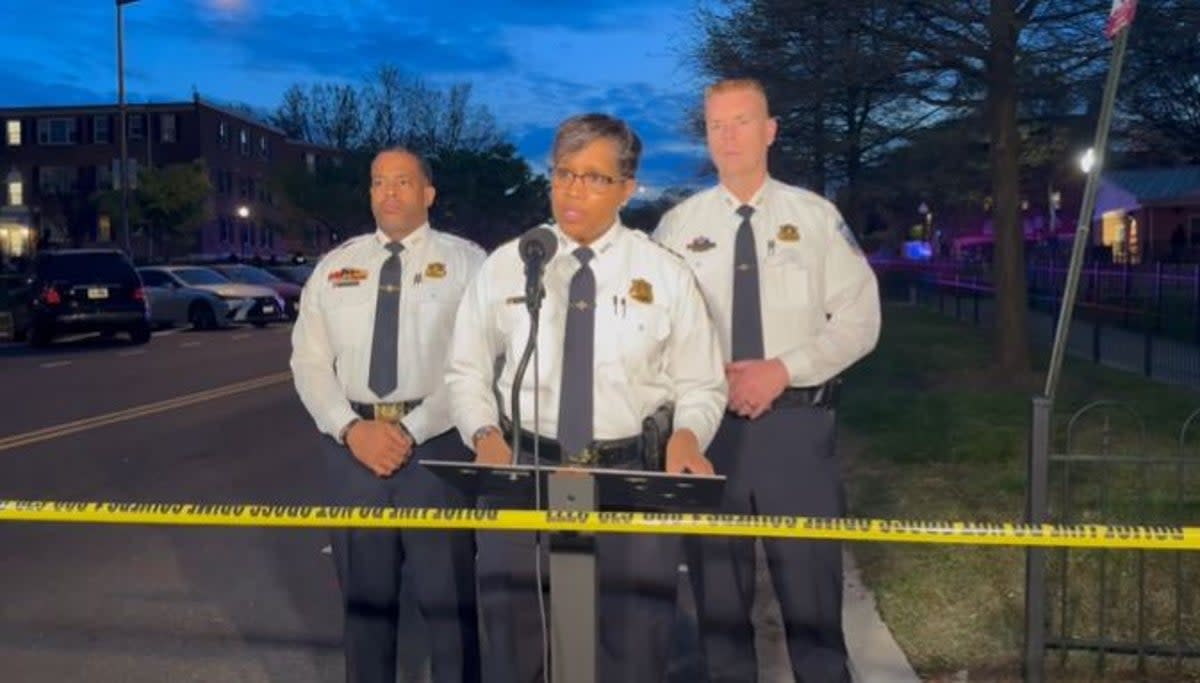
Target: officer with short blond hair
795,303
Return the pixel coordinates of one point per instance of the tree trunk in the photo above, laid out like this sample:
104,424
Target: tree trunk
1012,314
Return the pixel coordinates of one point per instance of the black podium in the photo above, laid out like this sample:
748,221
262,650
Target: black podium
572,555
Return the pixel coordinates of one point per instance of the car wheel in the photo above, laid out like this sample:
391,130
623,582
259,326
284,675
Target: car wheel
260,324
40,335
201,316
139,334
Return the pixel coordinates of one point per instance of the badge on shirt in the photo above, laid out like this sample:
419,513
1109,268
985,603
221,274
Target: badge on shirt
435,270
788,233
700,244
347,277
641,290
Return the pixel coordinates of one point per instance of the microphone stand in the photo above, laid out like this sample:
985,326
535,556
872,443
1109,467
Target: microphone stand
534,293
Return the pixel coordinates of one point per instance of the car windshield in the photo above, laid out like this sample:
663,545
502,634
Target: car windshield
254,276
201,276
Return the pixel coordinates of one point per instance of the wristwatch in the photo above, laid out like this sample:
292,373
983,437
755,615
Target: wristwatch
483,433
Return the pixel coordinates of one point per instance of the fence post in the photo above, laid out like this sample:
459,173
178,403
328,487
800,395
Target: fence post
1126,283
1196,299
1151,324
1035,558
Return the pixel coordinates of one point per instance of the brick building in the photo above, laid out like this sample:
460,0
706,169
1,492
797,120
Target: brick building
54,160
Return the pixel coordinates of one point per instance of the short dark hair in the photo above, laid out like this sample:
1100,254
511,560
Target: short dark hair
579,131
422,162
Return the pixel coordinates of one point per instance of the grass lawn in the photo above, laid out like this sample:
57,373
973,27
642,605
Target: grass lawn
930,431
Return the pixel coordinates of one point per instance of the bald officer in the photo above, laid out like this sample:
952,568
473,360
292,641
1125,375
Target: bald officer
368,351
623,331
795,303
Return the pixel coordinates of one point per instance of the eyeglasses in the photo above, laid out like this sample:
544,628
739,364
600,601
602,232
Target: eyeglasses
594,182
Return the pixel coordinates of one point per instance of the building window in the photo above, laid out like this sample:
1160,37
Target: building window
223,225
264,149
166,124
223,134
13,132
104,177
57,180
101,130
116,174
16,189
310,162
137,127
57,132
244,142
1194,229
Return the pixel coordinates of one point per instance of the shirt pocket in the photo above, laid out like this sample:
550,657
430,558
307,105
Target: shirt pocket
631,338
349,315
786,282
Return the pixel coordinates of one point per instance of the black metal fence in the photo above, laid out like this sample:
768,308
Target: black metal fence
1132,610
1144,322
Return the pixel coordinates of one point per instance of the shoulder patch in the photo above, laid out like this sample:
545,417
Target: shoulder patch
848,235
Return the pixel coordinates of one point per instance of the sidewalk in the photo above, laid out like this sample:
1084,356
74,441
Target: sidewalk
874,655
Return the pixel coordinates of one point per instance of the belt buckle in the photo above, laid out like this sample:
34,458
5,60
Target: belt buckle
389,412
587,457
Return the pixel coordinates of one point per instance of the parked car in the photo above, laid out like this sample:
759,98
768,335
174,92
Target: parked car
295,273
204,298
251,275
174,302
82,290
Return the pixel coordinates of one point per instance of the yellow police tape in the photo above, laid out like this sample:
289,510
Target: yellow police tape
774,526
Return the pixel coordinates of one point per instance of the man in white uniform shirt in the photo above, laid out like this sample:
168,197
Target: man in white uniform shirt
795,303
623,331
368,353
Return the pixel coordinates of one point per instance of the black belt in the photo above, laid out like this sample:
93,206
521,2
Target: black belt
821,396
385,412
625,453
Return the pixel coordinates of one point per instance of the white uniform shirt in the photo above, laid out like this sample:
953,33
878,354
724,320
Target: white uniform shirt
820,298
331,341
654,341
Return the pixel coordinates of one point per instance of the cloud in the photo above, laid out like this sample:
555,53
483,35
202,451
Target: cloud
532,63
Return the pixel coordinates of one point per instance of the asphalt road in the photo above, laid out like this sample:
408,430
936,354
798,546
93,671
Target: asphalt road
206,417
108,604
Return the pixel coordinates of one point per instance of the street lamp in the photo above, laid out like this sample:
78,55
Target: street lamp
124,122
1087,160
243,212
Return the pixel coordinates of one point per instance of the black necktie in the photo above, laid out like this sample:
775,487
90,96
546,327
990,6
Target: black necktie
575,396
747,302
384,341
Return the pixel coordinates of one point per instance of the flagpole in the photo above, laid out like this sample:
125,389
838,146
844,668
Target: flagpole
1084,225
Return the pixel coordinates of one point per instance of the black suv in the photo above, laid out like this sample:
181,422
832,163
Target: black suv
83,290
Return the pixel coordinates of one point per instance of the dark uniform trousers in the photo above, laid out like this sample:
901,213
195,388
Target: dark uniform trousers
440,565
638,580
783,463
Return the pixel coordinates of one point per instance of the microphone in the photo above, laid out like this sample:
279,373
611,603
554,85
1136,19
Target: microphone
537,247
